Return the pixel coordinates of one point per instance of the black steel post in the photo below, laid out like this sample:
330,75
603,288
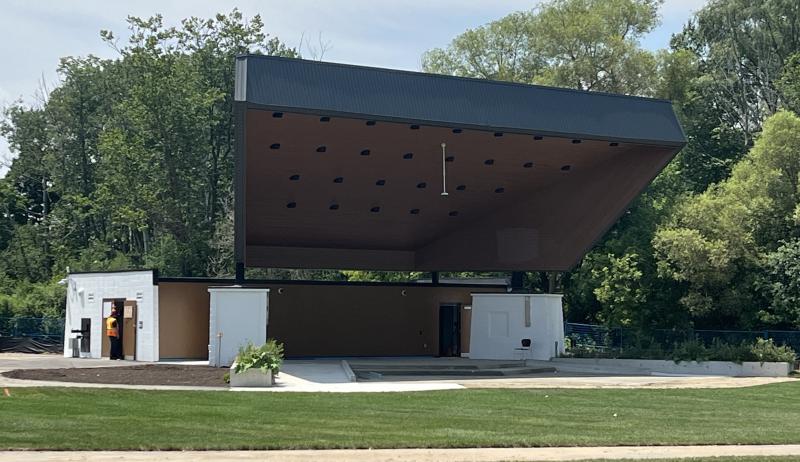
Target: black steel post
517,280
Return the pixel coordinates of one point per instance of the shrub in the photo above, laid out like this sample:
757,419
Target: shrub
267,357
766,351
690,350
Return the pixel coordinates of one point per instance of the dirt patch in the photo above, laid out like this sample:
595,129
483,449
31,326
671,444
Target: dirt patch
149,374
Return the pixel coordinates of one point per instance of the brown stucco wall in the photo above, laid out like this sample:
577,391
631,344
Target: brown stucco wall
183,320
325,320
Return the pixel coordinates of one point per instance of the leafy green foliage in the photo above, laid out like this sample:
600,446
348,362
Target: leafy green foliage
267,357
780,283
766,350
583,44
718,240
759,350
128,162
742,46
620,290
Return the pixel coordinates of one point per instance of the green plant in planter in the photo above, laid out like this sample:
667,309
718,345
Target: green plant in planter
267,357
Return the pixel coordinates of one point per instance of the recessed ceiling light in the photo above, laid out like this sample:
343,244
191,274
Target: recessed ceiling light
277,115
527,165
333,207
408,155
538,137
613,144
566,168
380,182
457,131
275,146
291,205
454,213
322,149
375,209
414,127
414,211
422,185
294,177
370,123
576,141
461,187
338,179
488,162
365,152
500,190
325,119
450,158
498,134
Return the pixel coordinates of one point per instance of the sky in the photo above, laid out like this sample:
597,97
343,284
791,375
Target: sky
382,33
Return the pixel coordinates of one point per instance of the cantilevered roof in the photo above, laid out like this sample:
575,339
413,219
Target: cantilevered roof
341,166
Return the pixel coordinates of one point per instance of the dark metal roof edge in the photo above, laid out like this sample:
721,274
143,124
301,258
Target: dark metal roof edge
112,271
455,77
321,283
486,128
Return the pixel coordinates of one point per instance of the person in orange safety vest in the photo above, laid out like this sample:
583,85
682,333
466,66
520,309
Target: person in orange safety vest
112,331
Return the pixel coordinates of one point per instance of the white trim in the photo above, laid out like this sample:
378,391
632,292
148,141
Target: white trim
237,288
500,294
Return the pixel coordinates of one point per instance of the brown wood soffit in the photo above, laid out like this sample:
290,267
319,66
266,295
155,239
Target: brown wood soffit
332,192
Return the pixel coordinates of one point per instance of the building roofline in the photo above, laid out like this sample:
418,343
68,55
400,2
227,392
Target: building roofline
289,282
453,77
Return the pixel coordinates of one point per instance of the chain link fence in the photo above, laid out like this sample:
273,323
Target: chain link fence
601,338
31,335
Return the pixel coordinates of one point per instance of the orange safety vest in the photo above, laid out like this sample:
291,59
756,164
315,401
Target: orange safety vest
111,327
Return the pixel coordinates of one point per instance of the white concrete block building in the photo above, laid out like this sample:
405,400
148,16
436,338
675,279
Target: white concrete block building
90,297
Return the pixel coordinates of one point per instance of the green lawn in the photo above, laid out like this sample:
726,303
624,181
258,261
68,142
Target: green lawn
72,418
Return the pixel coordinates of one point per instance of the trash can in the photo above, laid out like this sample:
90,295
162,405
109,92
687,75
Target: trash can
75,346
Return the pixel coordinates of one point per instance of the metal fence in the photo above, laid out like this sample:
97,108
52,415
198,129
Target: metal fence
51,328
618,338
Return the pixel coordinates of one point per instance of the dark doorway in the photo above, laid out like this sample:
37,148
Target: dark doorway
450,329
118,304
86,335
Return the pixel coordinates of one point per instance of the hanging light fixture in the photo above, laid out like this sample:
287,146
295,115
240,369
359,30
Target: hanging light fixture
444,170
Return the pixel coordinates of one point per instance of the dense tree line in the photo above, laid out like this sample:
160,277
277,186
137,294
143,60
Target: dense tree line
128,162
713,242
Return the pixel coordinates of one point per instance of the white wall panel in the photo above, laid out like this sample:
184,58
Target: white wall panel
499,325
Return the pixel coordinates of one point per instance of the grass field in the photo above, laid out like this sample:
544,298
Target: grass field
74,418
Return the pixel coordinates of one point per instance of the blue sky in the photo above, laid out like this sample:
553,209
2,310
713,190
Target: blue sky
394,34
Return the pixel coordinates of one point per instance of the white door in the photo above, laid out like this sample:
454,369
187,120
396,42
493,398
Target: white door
238,316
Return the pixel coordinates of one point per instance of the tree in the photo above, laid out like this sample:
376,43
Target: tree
581,44
742,46
789,83
717,242
781,285
123,164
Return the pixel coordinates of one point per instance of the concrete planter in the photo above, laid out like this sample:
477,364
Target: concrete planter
252,378
723,368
